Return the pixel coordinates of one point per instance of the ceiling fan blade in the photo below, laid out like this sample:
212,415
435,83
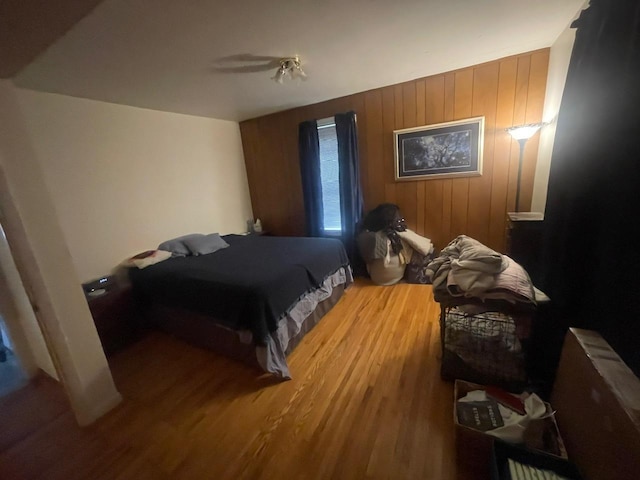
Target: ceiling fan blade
245,63
246,57
245,69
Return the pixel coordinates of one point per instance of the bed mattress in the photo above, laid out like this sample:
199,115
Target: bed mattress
249,285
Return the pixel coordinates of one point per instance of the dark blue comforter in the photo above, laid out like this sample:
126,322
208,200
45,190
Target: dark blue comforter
247,285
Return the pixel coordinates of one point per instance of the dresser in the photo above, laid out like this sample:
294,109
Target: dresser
524,239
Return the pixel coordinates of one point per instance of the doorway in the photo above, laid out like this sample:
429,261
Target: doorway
12,375
23,352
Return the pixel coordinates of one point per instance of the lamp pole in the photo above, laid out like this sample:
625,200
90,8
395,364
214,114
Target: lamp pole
522,133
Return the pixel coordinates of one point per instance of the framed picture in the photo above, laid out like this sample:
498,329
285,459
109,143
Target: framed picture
443,150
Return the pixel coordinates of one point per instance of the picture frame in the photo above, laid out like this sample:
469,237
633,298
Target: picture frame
442,150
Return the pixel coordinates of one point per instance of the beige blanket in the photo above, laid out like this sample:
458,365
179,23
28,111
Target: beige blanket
467,268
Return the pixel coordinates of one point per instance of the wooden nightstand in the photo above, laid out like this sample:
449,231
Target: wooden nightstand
524,237
116,317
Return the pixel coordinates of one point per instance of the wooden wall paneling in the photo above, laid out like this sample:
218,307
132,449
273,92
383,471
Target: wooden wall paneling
250,135
388,126
273,212
522,87
459,204
503,150
537,85
421,185
447,234
278,192
398,107
533,113
408,195
421,102
320,110
375,149
283,193
288,155
447,186
398,124
434,206
462,108
485,97
260,160
295,222
449,97
262,157
463,93
511,90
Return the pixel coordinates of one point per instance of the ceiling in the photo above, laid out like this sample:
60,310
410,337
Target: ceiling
178,56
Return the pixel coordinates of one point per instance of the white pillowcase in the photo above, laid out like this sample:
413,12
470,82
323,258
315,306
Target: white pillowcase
151,259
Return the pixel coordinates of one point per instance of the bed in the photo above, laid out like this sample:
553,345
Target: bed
253,300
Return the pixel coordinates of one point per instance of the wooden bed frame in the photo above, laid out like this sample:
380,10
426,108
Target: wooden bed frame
202,331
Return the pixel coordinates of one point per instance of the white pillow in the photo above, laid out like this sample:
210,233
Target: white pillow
177,246
206,244
144,259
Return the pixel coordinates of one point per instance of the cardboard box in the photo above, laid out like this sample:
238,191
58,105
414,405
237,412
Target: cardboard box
473,448
503,452
597,398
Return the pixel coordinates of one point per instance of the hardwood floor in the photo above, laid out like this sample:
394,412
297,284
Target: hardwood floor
366,401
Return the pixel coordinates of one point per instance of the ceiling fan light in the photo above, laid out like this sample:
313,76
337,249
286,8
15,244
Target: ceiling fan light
289,66
279,76
298,72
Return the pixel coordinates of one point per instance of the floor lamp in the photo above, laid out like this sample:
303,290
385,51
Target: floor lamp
522,133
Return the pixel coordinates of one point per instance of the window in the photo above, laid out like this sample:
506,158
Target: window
329,176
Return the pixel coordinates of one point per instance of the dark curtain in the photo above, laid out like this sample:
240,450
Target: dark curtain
309,147
591,252
351,204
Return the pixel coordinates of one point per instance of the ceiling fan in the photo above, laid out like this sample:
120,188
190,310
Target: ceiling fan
285,66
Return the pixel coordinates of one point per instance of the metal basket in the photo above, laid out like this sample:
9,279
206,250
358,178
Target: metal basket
487,348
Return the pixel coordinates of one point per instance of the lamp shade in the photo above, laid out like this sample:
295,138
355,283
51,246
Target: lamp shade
524,132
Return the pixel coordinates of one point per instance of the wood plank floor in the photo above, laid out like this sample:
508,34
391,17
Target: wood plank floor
366,401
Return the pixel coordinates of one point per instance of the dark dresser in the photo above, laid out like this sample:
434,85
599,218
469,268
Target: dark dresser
114,312
524,238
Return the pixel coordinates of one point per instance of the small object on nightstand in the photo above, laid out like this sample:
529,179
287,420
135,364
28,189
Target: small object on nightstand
99,286
257,227
96,293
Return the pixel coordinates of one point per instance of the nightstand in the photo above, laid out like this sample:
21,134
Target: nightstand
524,237
116,317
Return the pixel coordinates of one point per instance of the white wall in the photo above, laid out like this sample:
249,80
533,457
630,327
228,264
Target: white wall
38,246
124,179
559,58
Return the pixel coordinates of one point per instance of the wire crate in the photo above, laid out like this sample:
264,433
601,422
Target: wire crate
487,348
